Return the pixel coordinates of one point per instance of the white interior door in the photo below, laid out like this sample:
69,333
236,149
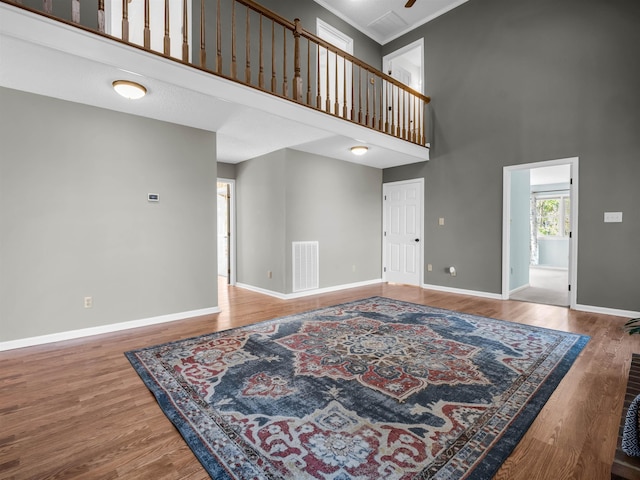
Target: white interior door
403,232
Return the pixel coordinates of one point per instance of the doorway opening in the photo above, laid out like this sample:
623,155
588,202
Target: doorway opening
407,65
540,232
226,229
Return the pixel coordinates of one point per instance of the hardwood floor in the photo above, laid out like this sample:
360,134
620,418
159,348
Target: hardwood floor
77,409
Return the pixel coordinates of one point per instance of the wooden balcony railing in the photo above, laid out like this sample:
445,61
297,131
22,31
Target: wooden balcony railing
247,43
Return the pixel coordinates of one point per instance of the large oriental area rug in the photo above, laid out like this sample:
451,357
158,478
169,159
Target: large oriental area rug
372,389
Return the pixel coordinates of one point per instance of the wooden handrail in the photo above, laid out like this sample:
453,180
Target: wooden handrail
344,85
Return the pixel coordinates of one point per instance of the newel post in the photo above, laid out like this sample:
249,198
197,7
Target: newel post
297,79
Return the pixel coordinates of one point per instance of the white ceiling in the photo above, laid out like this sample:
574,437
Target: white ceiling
385,20
49,58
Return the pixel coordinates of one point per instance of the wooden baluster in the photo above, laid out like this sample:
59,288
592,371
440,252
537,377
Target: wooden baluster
336,107
327,87
185,32
415,120
308,72
381,120
404,114
261,71
247,54
234,65
273,56
147,30
387,109
373,101
407,108
47,6
285,80
203,42
319,96
344,87
396,111
101,23
167,37
366,115
75,11
297,79
125,20
423,140
218,39
353,93
359,94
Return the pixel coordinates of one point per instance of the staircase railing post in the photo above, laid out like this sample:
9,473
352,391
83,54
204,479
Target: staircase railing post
297,78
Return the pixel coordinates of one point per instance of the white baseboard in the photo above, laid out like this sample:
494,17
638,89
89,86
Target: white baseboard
461,291
307,293
114,327
608,311
516,290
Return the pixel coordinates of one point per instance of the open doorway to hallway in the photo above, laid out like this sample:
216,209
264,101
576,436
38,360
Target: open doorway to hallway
540,232
226,229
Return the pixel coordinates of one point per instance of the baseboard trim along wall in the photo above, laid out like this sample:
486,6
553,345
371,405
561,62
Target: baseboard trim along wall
608,311
307,293
462,291
519,289
114,327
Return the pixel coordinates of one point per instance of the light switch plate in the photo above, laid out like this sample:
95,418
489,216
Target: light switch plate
612,217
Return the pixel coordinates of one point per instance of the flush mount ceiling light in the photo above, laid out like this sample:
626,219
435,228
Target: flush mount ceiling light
359,150
128,89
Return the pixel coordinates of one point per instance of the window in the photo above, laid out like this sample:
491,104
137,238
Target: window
553,216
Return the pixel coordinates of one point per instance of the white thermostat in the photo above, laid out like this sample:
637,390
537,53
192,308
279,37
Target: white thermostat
153,197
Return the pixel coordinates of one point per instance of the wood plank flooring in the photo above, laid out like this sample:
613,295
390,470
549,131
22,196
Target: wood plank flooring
77,410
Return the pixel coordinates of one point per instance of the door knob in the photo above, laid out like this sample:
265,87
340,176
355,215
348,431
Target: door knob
417,239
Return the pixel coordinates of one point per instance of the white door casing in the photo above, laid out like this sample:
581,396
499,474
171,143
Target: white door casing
403,231
573,239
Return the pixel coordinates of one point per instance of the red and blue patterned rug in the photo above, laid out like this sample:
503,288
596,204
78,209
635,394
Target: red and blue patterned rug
371,389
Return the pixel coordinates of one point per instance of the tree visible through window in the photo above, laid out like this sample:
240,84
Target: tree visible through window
553,216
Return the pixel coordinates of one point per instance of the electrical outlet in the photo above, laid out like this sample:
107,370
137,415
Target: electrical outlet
269,274
88,302
441,221
353,268
429,267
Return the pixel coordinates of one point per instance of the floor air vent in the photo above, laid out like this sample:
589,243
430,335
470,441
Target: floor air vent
305,266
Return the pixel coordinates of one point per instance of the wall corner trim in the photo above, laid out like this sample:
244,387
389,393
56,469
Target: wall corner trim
462,291
114,327
307,293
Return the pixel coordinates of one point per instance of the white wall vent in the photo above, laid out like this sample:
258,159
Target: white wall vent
305,266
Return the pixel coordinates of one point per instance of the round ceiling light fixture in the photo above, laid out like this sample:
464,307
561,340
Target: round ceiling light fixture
128,89
359,150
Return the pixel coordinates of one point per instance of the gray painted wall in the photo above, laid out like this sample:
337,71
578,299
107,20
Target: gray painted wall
291,196
261,221
226,170
340,205
75,220
520,228
518,81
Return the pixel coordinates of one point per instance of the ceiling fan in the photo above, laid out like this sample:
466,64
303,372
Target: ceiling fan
410,4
